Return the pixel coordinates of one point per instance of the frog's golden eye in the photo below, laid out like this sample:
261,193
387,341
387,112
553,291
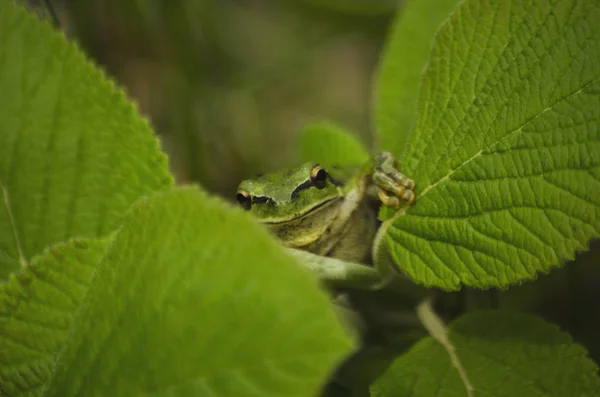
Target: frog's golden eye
244,199
318,176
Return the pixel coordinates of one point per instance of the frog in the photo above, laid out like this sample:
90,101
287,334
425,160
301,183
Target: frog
326,215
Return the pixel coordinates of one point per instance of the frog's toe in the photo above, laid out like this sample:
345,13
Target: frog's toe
409,184
403,193
392,185
386,199
409,196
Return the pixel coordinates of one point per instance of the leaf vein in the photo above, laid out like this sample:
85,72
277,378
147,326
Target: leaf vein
499,242
23,344
13,225
557,186
52,137
490,211
530,231
456,243
514,132
418,255
511,369
485,94
559,145
524,176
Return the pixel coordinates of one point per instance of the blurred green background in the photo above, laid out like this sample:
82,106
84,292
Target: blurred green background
228,84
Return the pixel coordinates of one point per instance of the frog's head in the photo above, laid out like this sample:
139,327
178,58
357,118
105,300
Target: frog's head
297,204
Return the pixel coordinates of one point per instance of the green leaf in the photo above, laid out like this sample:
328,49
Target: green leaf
36,312
194,298
328,143
506,150
502,354
74,153
404,58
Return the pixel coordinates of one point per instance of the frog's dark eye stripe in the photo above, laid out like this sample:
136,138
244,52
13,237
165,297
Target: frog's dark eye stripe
318,179
304,185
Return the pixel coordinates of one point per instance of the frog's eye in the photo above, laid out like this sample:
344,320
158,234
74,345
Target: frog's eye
244,199
318,176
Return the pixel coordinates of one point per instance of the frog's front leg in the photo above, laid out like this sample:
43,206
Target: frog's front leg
392,186
338,273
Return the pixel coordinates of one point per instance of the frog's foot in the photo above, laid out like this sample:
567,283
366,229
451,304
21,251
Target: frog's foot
392,186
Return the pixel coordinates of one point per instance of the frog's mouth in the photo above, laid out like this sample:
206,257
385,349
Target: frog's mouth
306,228
302,215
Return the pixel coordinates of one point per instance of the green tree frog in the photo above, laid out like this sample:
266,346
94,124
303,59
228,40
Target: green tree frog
327,215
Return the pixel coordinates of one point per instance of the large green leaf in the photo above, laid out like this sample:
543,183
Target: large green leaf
74,153
328,143
36,313
506,149
500,354
404,59
194,298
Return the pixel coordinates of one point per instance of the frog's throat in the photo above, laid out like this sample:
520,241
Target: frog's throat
298,217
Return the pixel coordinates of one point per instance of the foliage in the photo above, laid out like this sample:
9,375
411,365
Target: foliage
75,155
505,148
114,282
160,282
500,354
